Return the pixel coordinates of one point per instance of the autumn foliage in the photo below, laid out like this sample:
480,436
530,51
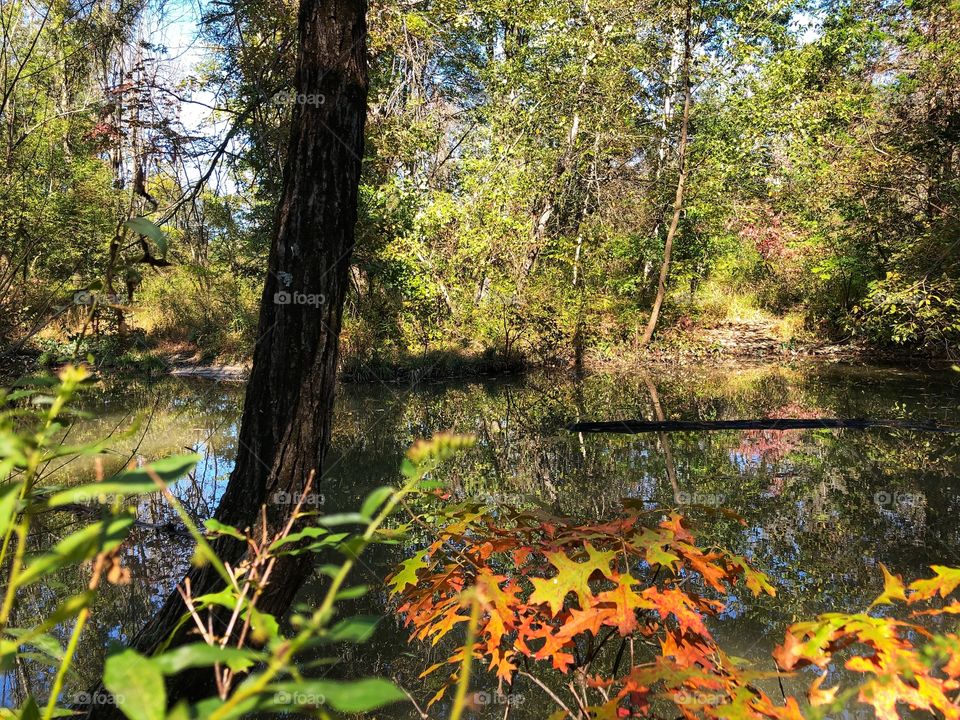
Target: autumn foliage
557,592
903,663
620,612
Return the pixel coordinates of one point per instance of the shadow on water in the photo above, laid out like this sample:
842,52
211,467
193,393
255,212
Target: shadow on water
822,507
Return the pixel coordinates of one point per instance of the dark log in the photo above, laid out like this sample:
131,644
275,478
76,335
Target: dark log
636,427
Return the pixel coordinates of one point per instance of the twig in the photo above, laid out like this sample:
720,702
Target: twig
549,692
413,702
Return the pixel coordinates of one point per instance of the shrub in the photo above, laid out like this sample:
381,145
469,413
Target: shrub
921,314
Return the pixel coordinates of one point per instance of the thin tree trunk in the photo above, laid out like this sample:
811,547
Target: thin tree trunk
681,181
564,164
285,429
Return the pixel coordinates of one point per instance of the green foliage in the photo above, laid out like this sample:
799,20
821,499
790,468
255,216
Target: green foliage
520,169
202,307
924,313
255,666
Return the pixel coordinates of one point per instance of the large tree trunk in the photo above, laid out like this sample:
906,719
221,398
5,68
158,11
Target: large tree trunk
681,180
285,430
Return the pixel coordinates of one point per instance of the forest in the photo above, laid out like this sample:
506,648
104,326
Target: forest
541,181
567,359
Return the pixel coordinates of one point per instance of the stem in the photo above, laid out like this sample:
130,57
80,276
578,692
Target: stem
82,618
548,691
28,477
463,684
320,616
21,530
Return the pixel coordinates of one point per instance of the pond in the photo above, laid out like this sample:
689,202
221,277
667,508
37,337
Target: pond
821,507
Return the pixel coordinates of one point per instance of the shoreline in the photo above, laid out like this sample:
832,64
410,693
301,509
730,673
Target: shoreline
676,350
405,373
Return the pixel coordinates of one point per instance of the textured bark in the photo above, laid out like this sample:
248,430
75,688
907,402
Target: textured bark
285,429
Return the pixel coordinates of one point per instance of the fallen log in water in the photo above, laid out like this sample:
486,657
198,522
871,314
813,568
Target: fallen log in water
633,427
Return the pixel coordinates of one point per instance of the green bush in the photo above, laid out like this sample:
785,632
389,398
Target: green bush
921,314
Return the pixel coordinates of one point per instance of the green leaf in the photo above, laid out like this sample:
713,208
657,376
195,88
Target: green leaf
137,685
353,593
343,519
354,630
129,482
206,708
29,710
329,570
409,470
9,502
223,598
347,697
181,711
8,654
264,625
407,572
144,227
310,532
353,547
375,500
46,644
35,381
572,576
203,655
328,541
78,547
215,526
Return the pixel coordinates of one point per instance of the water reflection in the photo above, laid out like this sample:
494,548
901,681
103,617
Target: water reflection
822,508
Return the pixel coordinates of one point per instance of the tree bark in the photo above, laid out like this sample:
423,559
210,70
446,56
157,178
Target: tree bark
681,180
285,428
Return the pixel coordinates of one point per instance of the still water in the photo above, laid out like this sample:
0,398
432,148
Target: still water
822,508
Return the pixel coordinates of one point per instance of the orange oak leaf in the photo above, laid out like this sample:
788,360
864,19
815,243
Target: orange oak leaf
946,581
625,604
892,588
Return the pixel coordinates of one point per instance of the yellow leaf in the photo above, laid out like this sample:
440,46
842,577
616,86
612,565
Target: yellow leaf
892,588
